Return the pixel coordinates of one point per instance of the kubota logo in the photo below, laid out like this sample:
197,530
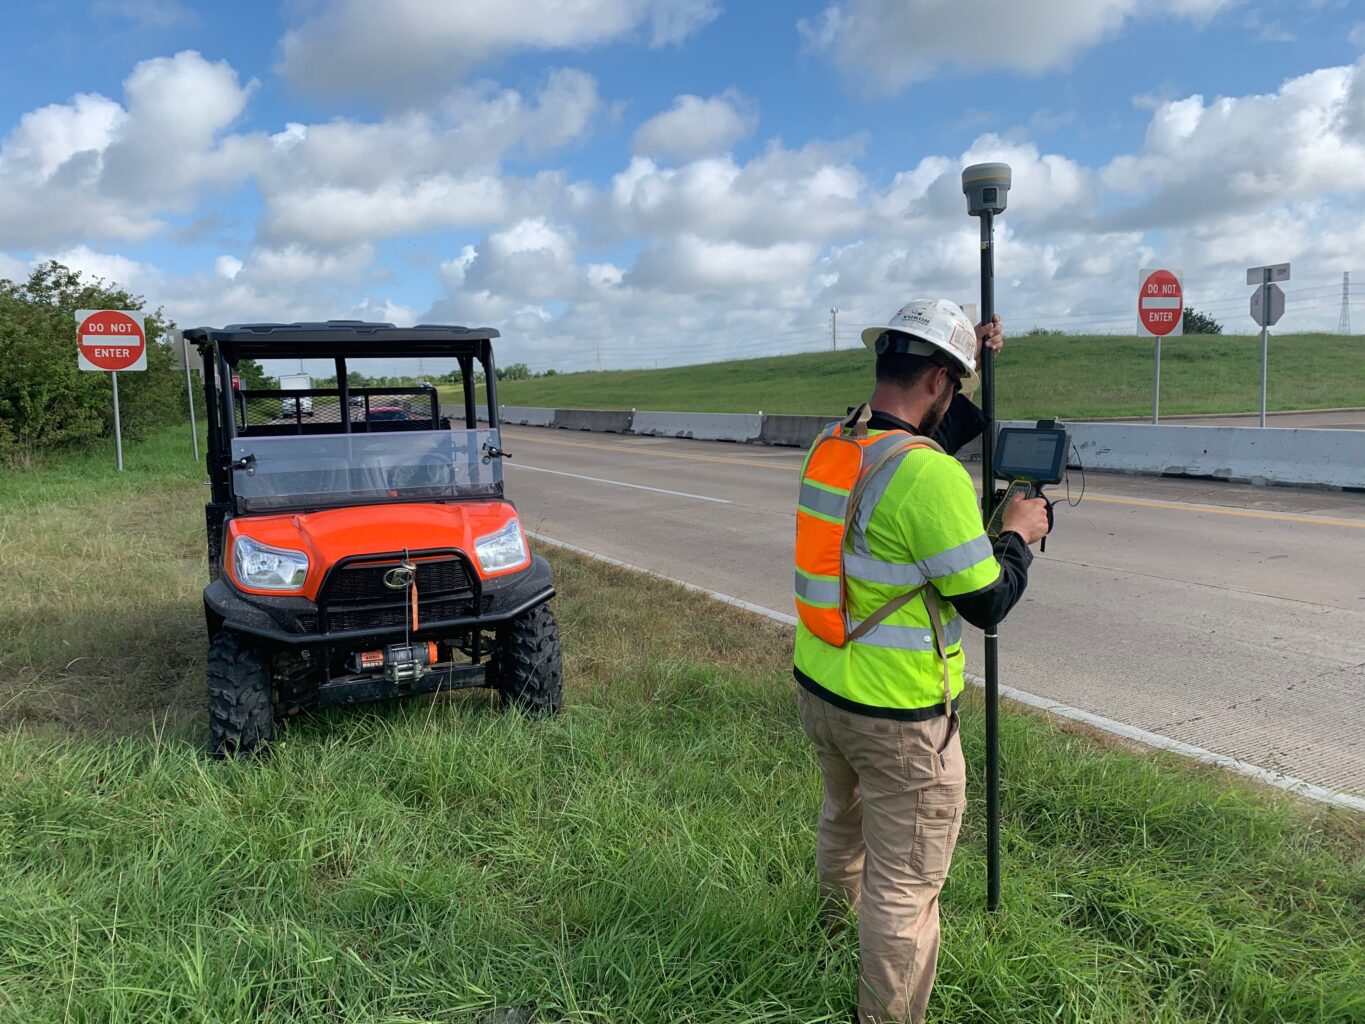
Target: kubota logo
399,578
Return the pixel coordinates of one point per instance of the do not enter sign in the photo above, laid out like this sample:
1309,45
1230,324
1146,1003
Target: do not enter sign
110,339
1161,302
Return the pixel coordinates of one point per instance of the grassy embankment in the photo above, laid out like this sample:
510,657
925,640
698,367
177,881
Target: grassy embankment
1036,377
645,857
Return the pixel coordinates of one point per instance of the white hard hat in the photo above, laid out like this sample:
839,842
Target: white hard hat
926,326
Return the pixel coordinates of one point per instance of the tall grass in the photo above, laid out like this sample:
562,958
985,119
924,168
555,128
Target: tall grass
647,856
1036,377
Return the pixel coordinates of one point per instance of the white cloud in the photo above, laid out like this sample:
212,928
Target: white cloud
533,259
694,127
689,264
94,168
885,45
1201,159
405,47
783,195
345,181
113,268
339,214
227,266
49,137
384,311
295,264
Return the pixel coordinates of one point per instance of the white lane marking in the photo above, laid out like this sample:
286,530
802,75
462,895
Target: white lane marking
757,609
620,483
1298,787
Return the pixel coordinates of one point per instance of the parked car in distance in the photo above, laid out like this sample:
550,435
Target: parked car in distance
390,413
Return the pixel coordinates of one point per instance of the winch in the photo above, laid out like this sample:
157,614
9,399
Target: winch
402,663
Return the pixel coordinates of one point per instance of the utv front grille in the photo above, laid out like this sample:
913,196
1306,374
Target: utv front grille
365,581
355,597
343,620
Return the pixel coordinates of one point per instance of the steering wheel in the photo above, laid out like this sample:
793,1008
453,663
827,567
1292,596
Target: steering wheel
427,471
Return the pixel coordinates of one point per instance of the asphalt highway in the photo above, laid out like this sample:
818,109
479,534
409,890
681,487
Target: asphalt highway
1227,617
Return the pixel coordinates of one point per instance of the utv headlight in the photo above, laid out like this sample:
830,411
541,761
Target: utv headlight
268,568
503,549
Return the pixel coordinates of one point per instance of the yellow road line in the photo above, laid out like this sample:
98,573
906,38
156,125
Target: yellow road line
1170,506
1241,513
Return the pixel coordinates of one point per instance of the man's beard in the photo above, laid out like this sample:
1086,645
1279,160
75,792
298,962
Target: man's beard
934,417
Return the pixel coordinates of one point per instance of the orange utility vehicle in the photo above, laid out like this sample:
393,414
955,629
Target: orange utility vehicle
366,551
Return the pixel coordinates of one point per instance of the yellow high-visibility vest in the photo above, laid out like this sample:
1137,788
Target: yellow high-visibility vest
917,527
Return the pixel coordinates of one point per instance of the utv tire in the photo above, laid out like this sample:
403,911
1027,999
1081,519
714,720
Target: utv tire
241,721
528,668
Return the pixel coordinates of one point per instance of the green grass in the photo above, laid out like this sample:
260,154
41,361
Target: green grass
1036,377
647,856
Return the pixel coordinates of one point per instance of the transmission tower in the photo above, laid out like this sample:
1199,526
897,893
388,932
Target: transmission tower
1344,323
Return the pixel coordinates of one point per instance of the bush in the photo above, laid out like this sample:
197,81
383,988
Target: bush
1195,322
46,402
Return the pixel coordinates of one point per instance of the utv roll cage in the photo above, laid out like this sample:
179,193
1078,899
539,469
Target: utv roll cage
236,413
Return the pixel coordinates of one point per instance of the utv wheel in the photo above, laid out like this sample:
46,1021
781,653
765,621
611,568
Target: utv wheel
527,665
240,717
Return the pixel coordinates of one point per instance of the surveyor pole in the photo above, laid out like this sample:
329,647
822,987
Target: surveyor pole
986,187
993,633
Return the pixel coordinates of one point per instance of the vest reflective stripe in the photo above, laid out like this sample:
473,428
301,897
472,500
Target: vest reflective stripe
822,502
910,638
872,570
823,591
957,559
912,574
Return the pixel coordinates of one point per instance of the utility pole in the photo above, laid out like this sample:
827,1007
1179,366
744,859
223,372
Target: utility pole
1344,323
834,329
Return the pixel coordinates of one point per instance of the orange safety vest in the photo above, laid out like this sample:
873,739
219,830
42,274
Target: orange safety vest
838,469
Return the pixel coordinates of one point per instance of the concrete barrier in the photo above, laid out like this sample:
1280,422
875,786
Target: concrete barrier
1292,455
793,431
526,416
601,421
700,426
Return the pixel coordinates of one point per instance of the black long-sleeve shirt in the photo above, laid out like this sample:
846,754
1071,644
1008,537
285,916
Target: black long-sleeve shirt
963,423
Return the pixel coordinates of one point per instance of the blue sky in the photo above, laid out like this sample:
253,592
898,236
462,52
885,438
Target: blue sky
670,180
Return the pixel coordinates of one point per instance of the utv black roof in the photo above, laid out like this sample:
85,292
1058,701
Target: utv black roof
340,338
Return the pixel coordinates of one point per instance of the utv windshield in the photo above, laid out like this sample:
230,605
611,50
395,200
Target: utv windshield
326,470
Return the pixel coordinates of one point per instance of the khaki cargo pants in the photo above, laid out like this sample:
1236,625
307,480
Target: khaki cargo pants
894,797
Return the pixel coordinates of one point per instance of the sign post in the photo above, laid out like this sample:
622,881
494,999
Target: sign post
111,340
1267,306
1161,306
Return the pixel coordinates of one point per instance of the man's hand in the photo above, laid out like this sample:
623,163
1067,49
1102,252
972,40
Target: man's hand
991,334
1026,517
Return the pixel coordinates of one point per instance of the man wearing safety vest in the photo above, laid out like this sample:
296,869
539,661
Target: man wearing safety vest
891,556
